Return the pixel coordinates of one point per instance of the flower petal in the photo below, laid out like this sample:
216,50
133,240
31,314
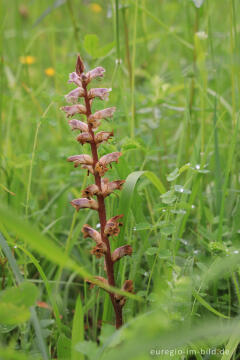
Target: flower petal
84,138
109,187
90,191
92,233
103,136
89,168
121,252
74,78
73,96
78,125
80,159
83,203
101,93
97,72
94,119
101,166
74,109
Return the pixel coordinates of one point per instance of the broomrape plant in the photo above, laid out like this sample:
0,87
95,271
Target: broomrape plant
96,166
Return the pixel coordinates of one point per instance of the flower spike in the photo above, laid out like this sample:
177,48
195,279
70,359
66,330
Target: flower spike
93,196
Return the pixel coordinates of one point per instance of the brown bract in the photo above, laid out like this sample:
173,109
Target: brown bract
112,227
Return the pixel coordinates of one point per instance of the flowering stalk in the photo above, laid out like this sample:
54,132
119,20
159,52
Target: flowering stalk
97,167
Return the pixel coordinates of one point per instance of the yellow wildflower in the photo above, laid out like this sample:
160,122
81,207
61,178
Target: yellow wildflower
50,71
95,8
27,60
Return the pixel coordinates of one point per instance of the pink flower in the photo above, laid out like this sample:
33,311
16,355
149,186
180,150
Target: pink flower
82,159
74,78
84,138
74,109
101,93
103,136
78,125
101,166
103,114
121,252
90,191
109,187
90,232
97,72
73,96
95,118
83,203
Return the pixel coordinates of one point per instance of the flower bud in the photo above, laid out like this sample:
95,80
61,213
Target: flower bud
79,66
90,191
103,136
80,159
101,93
74,109
83,203
121,252
84,138
97,72
112,227
90,232
73,96
109,187
78,125
101,166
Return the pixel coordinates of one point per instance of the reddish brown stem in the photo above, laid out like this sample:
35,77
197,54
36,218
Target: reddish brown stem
102,215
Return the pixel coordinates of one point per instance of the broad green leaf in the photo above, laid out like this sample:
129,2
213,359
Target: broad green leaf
24,295
11,314
88,348
63,348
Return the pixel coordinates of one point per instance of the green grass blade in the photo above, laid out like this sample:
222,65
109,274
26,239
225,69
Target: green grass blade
77,330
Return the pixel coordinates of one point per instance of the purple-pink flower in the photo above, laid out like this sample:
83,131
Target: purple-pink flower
97,72
73,96
101,93
74,109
